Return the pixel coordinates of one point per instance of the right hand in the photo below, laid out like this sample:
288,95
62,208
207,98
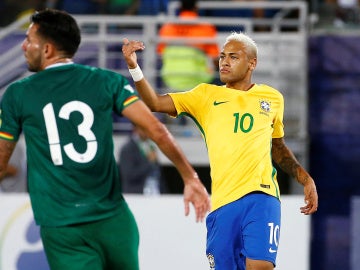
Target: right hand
195,193
129,48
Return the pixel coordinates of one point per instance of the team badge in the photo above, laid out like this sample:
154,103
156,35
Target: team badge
211,261
265,105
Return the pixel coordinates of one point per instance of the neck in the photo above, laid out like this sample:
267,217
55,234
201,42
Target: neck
61,60
58,62
243,86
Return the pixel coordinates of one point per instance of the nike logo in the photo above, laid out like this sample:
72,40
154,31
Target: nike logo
219,102
272,250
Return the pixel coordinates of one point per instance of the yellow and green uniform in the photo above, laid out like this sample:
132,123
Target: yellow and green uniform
238,127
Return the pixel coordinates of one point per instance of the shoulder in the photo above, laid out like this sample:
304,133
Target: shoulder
19,85
270,90
98,71
200,89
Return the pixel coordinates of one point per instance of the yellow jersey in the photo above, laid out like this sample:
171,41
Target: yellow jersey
237,127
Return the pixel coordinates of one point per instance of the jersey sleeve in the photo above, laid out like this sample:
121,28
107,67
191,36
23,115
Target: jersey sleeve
278,120
124,94
189,101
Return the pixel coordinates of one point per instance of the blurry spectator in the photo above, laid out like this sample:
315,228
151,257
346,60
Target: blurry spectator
338,13
138,165
347,12
124,7
187,64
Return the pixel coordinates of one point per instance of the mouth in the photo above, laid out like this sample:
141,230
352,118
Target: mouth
223,70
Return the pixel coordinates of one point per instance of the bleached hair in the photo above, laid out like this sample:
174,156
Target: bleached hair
249,43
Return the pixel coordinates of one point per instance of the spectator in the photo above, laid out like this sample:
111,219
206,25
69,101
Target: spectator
347,12
186,64
138,165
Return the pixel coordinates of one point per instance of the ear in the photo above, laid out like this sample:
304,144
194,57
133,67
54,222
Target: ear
252,63
49,50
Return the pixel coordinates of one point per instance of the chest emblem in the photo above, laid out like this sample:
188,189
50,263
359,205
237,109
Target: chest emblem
265,106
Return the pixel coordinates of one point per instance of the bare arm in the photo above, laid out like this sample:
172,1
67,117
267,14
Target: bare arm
156,102
286,160
6,149
194,190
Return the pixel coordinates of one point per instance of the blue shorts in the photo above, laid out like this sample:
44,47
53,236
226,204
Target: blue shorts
246,228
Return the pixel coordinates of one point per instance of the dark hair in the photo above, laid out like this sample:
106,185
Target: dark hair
188,5
60,28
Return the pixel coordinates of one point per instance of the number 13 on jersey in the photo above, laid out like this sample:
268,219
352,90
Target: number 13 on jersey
84,130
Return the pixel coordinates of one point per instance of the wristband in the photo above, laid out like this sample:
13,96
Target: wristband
136,73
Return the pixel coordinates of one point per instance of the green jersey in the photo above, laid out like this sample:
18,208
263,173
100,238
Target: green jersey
65,114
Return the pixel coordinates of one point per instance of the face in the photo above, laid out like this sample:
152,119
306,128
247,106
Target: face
33,47
235,66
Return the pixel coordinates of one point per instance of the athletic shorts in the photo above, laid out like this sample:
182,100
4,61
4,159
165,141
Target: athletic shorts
246,228
106,244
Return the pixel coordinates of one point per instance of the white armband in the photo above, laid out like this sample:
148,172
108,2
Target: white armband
136,73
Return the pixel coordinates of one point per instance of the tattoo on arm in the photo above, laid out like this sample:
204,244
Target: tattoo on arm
286,160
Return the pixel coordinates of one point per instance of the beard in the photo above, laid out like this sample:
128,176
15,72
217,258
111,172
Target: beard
34,64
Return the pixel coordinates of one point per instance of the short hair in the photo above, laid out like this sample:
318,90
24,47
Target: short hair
60,28
251,47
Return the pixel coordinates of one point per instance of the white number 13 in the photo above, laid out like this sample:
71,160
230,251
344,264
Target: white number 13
84,130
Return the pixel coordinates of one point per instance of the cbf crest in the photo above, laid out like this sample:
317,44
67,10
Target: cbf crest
211,261
265,105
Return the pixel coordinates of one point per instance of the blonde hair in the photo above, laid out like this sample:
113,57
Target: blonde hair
251,47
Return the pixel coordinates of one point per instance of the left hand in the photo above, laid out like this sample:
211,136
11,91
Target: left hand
311,198
129,49
196,194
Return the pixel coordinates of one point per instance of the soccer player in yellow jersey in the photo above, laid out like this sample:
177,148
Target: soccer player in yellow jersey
242,126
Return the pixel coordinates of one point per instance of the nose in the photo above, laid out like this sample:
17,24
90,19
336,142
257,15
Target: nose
23,45
223,61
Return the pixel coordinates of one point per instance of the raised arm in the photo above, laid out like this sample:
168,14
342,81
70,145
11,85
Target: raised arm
286,160
194,191
156,102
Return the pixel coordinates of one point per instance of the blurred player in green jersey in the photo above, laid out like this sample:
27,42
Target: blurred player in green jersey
242,126
65,112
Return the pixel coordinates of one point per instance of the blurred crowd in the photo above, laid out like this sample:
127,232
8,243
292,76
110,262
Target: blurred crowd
327,13
337,13
10,10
